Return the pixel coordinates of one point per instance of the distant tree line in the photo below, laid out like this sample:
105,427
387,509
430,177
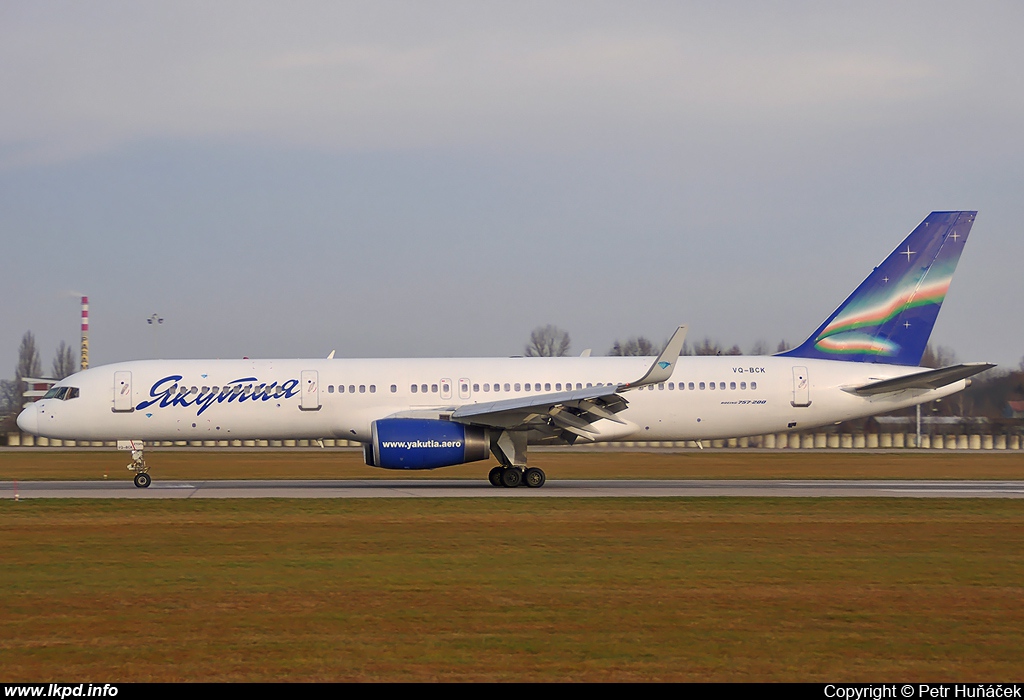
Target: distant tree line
988,394
552,341
642,346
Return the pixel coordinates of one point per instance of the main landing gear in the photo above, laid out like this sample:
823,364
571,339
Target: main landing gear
511,477
138,465
510,449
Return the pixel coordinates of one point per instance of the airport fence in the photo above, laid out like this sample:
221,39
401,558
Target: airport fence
1003,440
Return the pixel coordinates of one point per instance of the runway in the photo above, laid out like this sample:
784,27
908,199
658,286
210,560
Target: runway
474,488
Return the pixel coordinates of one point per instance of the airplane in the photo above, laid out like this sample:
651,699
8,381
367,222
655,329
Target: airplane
431,413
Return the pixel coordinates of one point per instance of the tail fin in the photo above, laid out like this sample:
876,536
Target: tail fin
891,314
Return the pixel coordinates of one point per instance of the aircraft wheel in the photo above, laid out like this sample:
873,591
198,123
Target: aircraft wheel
143,480
511,477
534,477
495,476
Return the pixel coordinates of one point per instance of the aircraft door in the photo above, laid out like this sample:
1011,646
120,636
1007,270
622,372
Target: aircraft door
464,390
310,397
123,392
801,388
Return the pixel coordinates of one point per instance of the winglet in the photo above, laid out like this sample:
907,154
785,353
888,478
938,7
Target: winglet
663,367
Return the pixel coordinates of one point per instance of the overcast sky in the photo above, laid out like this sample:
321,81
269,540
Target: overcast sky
439,178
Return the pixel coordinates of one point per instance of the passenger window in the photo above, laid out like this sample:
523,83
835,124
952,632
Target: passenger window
507,387
661,387
423,388
476,387
527,386
414,388
732,385
558,386
394,388
753,385
671,386
373,388
362,388
691,386
351,388
517,386
743,385
433,388
702,386
547,386
487,387
721,385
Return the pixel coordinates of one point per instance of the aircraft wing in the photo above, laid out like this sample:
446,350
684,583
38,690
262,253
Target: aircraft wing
930,379
570,411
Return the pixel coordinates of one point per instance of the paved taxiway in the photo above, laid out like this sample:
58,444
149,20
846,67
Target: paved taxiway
473,488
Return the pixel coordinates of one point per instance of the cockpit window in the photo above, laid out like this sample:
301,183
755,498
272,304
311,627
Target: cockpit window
62,393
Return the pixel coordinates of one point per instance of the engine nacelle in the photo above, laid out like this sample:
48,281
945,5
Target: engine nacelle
423,443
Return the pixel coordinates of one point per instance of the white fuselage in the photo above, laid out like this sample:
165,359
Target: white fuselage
339,398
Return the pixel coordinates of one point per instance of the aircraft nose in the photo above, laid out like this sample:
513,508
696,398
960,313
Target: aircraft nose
28,420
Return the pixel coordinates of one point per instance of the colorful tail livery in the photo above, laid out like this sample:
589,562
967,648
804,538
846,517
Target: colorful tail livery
891,314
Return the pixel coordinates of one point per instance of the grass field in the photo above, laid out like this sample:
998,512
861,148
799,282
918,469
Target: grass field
548,589
497,590
40,464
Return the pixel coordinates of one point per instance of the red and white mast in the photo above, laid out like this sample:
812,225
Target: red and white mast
85,333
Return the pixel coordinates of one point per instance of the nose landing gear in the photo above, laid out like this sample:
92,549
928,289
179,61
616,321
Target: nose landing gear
138,465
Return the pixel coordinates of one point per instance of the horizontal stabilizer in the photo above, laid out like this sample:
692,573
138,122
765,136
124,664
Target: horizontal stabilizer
930,379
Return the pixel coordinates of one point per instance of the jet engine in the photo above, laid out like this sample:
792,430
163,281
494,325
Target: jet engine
424,443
